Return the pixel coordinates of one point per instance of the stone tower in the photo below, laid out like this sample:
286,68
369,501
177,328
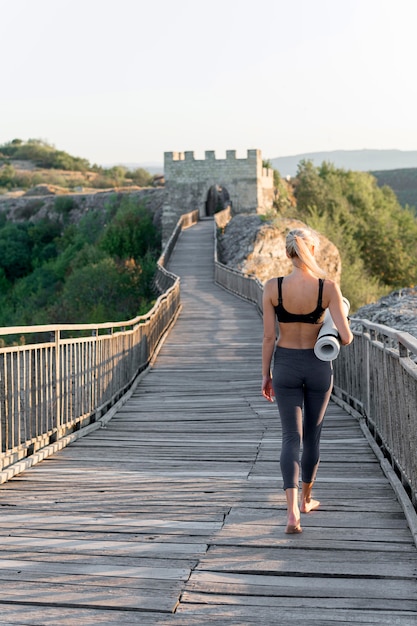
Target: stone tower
211,184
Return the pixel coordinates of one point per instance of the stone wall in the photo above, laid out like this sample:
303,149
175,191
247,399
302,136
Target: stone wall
188,181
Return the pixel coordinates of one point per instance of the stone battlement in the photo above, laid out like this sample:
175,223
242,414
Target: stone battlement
210,155
211,184
184,165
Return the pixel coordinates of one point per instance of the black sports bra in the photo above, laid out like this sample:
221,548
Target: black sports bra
315,317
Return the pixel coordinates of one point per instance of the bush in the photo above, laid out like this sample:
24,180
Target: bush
64,205
15,251
140,177
105,290
132,233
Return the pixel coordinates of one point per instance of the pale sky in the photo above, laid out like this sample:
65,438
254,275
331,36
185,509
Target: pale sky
122,81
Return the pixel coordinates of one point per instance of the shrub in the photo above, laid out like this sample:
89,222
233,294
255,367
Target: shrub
64,205
132,233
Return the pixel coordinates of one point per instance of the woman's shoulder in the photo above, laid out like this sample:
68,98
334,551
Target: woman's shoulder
271,282
271,290
330,289
330,285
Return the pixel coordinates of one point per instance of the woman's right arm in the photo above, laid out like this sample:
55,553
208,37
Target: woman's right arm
268,343
338,313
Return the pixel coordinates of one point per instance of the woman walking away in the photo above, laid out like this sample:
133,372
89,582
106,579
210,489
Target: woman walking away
300,380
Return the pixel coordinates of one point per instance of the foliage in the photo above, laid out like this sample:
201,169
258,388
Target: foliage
43,235
99,270
43,155
73,171
404,184
64,205
140,177
15,251
105,288
376,237
131,233
283,196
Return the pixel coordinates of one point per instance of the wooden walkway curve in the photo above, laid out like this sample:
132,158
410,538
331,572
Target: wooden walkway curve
174,513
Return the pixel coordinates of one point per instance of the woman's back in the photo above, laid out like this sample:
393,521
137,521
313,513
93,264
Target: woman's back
300,309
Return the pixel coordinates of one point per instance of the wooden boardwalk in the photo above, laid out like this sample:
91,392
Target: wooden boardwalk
174,513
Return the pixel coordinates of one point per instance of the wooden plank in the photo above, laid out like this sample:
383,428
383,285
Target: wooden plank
270,615
42,615
306,587
292,560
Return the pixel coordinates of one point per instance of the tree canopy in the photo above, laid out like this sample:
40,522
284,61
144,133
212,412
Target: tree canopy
99,270
376,236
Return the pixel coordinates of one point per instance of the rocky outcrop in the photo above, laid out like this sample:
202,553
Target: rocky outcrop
35,206
397,310
255,246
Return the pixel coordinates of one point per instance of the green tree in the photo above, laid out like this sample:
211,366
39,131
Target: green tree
50,273
15,251
103,291
376,237
116,175
140,177
8,176
43,236
33,295
131,233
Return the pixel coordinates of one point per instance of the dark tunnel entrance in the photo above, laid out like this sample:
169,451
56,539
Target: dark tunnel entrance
218,198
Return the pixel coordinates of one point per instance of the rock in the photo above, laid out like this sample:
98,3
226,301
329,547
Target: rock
397,310
255,246
44,190
41,203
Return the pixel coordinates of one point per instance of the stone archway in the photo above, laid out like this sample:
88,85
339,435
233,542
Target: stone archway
249,185
218,198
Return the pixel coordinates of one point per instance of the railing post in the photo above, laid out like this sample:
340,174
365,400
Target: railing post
58,380
368,373
2,401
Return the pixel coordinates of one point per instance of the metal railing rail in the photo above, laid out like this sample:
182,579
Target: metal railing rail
53,388
376,375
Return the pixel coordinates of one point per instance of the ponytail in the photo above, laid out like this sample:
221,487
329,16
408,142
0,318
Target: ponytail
299,243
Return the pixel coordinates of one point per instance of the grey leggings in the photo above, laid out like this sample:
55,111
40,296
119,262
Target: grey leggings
300,380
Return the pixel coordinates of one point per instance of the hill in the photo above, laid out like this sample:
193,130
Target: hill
26,164
357,160
403,182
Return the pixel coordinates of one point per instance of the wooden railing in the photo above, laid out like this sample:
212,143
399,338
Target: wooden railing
376,376
53,388
244,286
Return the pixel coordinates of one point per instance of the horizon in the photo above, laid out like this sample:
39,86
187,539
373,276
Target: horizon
200,155
289,78
286,156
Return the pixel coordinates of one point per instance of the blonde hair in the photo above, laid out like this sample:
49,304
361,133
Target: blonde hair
300,243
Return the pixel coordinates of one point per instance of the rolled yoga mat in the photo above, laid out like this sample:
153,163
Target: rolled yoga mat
328,344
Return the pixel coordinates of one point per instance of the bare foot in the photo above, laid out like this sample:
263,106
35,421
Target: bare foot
309,505
293,529
293,524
